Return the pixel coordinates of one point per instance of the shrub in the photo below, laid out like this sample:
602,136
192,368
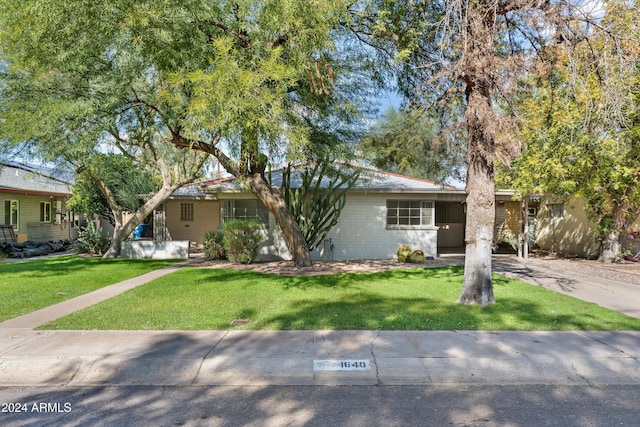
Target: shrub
241,240
403,252
213,248
92,241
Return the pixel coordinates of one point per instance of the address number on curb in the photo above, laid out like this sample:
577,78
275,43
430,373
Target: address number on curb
342,365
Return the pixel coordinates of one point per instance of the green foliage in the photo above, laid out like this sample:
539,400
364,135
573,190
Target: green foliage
407,255
262,79
213,247
413,142
575,148
126,178
92,241
316,205
241,240
416,257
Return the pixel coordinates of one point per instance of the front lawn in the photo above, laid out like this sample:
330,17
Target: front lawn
31,285
416,299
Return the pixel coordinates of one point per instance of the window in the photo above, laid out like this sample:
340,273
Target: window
45,212
186,211
12,213
556,210
244,209
410,213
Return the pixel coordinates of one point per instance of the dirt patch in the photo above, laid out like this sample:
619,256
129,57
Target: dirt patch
286,268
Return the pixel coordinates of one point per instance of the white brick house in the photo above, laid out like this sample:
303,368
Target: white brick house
382,212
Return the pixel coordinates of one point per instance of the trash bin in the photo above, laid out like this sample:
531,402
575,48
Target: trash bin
140,231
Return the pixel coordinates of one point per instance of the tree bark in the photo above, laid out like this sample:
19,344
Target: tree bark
274,202
481,122
610,246
271,199
122,231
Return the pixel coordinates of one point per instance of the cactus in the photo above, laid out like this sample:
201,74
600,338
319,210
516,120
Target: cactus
404,252
317,209
416,257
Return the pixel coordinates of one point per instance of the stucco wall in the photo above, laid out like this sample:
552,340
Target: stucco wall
206,217
573,233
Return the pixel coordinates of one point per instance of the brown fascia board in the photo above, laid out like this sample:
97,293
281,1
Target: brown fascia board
34,192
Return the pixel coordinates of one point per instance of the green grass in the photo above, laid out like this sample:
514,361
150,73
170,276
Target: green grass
417,299
31,285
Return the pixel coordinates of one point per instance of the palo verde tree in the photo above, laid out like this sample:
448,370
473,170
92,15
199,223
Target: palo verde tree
471,55
242,80
72,117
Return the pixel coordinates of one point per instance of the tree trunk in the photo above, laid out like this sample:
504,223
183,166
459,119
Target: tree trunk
122,231
477,286
610,246
481,128
254,178
274,202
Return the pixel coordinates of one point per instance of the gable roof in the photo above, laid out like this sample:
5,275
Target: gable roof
26,179
370,181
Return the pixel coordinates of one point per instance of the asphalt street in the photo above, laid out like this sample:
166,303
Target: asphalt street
354,406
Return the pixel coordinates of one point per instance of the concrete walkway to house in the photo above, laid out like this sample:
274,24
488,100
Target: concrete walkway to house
86,358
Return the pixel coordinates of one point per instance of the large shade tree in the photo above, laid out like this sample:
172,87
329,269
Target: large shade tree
242,80
471,55
580,143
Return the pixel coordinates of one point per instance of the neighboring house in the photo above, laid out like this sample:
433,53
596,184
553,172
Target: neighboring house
562,226
382,212
33,204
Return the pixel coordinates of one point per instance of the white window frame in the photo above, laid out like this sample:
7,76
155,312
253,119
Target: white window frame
230,211
45,211
16,222
410,213
555,210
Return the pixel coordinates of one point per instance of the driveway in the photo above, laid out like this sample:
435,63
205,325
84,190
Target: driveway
589,281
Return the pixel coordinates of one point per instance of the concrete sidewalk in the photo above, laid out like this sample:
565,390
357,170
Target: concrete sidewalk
241,358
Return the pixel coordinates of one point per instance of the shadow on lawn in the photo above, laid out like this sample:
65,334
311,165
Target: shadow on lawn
349,279
372,312
57,266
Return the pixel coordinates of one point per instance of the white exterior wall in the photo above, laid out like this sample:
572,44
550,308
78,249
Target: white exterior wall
361,233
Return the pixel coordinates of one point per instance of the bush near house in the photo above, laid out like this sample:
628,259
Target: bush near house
241,239
92,241
213,248
403,252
